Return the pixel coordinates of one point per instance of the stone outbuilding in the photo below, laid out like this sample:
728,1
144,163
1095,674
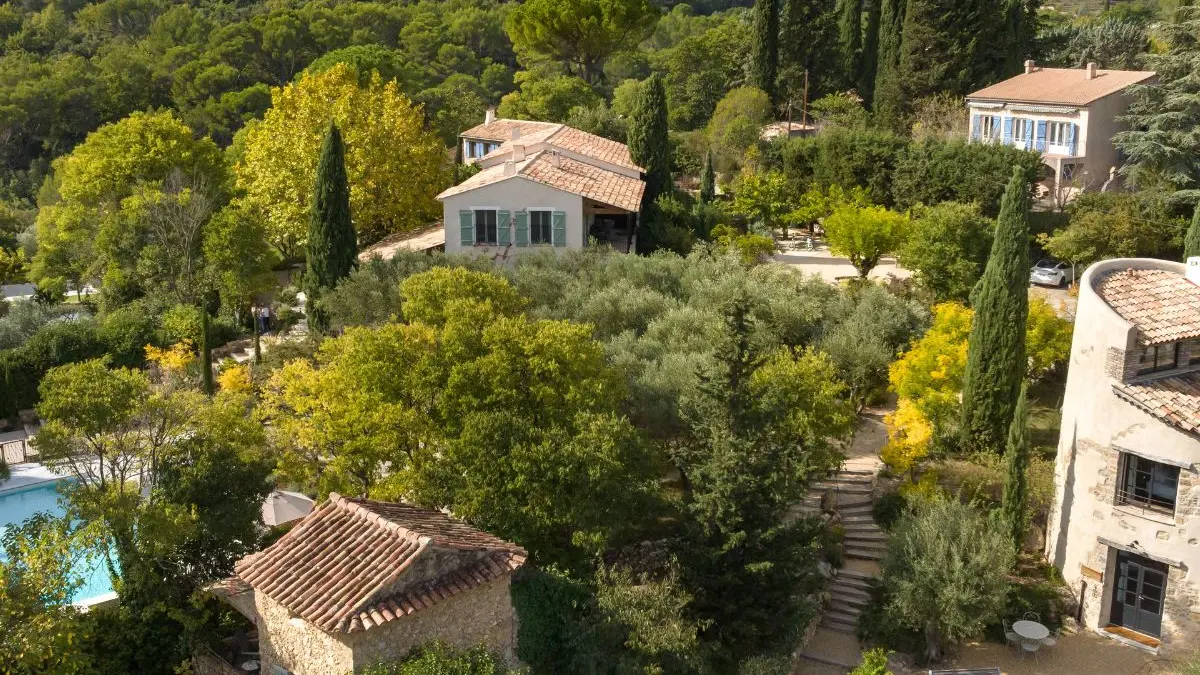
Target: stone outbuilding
359,582
1124,529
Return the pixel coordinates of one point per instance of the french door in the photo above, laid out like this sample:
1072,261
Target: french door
1138,597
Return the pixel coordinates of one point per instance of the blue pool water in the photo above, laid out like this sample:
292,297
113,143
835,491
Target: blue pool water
17,505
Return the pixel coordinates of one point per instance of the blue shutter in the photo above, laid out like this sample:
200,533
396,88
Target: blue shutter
976,129
503,221
1028,134
522,219
1040,143
466,226
559,221
1071,138
995,126
1008,130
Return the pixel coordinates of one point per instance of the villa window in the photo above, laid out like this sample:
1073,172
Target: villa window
1056,133
539,227
485,228
1158,358
990,126
1019,131
1148,484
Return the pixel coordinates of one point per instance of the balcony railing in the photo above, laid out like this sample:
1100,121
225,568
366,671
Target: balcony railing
1146,504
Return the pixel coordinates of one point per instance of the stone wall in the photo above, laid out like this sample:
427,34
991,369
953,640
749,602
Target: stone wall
297,646
483,615
204,662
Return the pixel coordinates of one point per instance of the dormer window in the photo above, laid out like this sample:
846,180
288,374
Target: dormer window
1158,358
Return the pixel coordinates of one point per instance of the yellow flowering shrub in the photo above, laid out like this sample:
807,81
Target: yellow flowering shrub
235,380
910,437
173,359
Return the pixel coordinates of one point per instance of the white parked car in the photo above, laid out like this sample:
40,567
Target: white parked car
1051,272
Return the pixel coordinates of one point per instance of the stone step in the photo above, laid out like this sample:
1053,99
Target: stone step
859,509
844,488
860,536
865,518
865,553
835,616
853,594
817,658
848,478
847,608
846,500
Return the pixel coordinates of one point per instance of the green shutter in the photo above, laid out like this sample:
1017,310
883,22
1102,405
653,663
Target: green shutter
522,228
503,221
560,228
466,226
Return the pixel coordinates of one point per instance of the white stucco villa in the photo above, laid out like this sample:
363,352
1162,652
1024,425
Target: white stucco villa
1068,114
541,186
1124,528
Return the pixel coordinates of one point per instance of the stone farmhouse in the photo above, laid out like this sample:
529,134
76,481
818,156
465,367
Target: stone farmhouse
541,186
359,582
1070,115
1124,528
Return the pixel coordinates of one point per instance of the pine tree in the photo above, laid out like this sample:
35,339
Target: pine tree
996,350
331,240
1191,243
886,92
764,50
1015,500
850,36
649,146
869,61
708,181
206,365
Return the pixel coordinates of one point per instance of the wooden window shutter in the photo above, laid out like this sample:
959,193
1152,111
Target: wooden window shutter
976,129
1040,143
466,226
560,228
522,219
1071,138
503,221
1008,129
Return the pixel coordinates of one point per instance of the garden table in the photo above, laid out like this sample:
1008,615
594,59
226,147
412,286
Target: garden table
1031,630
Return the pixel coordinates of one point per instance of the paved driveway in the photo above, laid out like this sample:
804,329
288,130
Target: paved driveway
831,268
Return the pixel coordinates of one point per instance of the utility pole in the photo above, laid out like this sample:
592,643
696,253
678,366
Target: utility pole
804,104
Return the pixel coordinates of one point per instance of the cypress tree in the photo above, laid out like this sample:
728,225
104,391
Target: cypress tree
764,50
886,92
849,14
869,61
1015,500
947,46
996,350
206,370
649,145
331,241
1191,243
708,181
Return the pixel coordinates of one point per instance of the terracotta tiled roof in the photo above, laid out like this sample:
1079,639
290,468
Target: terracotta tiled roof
1162,305
602,185
572,140
342,568
501,130
586,180
1174,400
1064,86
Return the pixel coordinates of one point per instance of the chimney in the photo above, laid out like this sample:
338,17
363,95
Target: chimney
516,132
518,153
510,168
555,159
1193,270
489,116
1091,70
1030,66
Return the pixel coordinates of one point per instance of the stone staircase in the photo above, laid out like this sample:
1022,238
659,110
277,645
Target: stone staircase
834,645
298,332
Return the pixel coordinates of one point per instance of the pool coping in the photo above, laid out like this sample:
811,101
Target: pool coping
29,475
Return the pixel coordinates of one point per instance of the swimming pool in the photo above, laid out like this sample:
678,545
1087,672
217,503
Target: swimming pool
21,503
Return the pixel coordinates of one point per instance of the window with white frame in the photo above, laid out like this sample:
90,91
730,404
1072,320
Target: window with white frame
485,228
1020,133
539,227
989,126
1056,133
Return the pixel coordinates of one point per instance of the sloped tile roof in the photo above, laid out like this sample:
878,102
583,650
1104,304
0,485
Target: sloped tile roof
1174,400
501,130
341,568
602,185
585,180
1064,86
1162,305
572,140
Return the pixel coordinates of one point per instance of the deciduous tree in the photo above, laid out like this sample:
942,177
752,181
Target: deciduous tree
387,145
1191,242
864,235
948,248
